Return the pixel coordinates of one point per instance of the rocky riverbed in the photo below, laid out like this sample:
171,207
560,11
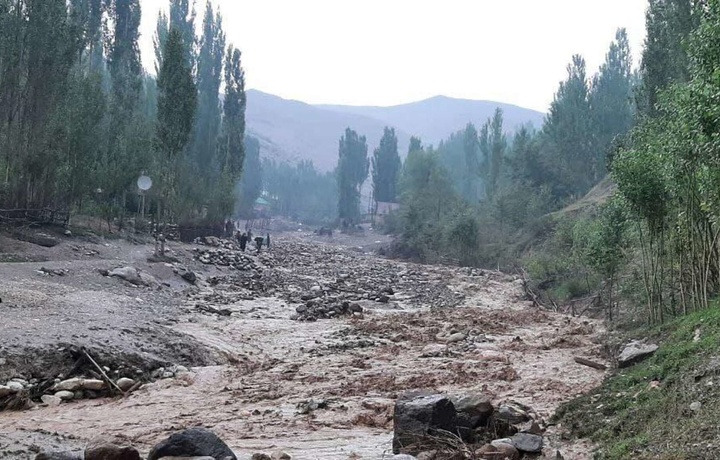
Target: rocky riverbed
303,349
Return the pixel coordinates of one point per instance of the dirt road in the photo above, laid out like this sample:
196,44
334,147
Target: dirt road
261,380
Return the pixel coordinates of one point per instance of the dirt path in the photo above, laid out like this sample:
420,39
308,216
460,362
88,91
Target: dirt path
268,366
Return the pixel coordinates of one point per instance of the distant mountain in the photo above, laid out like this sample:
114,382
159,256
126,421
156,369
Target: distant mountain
292,130
436,118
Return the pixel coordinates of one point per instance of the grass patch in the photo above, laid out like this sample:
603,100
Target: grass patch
644,412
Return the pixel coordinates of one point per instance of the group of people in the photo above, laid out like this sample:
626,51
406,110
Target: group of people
244,238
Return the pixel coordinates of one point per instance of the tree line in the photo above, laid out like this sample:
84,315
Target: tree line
81,119
463,198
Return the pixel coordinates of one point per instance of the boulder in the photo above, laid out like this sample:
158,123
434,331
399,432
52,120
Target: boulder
477,408
418,417
635,352
15,387
512,413
129,274
195,442
498,451
65,395
93,385
526,442
50,400
125,383
58,456
111,452
260,457
279,455
5,390
189,276
69,385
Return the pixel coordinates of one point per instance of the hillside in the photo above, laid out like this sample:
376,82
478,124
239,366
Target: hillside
293,130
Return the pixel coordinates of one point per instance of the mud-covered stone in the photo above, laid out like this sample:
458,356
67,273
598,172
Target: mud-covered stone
58,456
498,451
476,407
195,442
418,417
111,452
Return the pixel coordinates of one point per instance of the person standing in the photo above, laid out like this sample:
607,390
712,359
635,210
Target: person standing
259,243
267,241
243,241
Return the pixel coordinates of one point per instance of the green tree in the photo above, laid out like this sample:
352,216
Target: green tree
471,148
177,99
386,166
209,78
352,171
665,59
494,137
182,18
231,147
415,145
251,180
611,101
568,131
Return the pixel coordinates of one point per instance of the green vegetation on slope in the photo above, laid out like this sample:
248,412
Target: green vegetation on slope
645,412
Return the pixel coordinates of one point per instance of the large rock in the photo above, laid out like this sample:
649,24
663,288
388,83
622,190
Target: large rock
526,442
129,274
195,442
418,418
5,390
512,412
111,452
125,383
635,352
65,395
476,409
58,456
69,385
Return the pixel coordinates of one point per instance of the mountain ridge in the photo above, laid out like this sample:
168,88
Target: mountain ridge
292,130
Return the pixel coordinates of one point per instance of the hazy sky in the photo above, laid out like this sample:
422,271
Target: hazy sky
386,52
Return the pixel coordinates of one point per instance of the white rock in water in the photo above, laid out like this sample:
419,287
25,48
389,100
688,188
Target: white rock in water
315,288
69,385
125,384
181,370
168,375
696,406
65,395
15,387
50,400
5,390
94,385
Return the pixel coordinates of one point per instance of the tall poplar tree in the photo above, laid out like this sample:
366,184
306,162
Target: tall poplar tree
177,101
386,166
353,169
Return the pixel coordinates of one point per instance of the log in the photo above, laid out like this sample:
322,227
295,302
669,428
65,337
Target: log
587,362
